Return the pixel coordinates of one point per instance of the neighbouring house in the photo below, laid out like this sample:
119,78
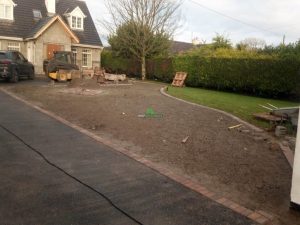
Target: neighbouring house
36,28
178,47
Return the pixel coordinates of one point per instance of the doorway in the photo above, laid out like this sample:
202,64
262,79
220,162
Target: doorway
52,48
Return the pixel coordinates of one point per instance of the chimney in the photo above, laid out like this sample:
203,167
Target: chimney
51,7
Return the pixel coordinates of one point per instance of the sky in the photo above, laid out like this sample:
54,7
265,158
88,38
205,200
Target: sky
269,20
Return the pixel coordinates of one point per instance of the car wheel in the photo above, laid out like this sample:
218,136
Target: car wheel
14,77
31,74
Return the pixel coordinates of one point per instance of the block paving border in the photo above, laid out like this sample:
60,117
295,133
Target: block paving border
259,217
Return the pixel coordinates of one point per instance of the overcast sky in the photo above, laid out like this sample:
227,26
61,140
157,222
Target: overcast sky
238,19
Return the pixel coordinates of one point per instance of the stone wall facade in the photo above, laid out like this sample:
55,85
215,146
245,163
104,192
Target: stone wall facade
36,51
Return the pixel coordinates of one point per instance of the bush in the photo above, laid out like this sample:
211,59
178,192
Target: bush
119,65
160,69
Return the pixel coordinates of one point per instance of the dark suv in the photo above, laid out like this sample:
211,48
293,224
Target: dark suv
13,65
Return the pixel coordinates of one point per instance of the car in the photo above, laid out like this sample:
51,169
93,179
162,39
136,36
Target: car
13,66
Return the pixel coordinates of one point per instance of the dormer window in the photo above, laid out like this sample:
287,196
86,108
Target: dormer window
77,22
37,14
76,19
7,9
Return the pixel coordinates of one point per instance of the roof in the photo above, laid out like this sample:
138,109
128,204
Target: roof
39,25
24,24
90,35
178,46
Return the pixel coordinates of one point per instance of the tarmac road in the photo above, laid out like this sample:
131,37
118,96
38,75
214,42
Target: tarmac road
52,174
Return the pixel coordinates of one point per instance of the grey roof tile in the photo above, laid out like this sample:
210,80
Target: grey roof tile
39,25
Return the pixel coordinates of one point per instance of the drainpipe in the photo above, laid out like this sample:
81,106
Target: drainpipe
33,54
295,194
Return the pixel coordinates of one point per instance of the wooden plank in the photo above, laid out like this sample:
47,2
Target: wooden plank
268,117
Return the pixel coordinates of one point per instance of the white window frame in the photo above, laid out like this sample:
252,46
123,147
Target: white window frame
77,25
78,16
14,46
3,5
75,54
87,53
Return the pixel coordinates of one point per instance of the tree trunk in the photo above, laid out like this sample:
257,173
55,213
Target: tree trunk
143,64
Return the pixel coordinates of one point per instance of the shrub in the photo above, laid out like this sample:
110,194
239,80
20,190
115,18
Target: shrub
115,64
160,69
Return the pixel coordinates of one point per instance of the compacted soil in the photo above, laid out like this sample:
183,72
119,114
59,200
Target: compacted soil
246,167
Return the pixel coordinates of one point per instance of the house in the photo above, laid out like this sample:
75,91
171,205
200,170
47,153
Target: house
178,47
36,28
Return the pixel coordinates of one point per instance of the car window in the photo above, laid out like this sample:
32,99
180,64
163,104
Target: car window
21,57
3,55
15,56
64,57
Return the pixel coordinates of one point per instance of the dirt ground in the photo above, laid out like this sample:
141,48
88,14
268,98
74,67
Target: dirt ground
242,166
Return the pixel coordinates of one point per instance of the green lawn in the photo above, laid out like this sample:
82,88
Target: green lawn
239,105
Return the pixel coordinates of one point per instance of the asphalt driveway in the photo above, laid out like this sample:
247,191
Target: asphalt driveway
52,174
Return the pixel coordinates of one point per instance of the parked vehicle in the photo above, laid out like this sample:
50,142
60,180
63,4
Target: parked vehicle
61,67
13,66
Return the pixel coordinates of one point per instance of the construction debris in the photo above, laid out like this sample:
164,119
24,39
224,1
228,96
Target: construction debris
220,119
185,140
246,131
234,127
278,115
280,131
269,117
114,77
290,113
102,76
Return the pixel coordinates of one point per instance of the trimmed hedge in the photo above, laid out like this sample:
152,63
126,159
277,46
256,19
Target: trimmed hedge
113,64
262,77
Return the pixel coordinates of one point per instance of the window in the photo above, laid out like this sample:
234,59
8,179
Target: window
6,9
77,22
74,51
14,46
22,58
37,14
73,22
3,55
62,56
87,58
18,56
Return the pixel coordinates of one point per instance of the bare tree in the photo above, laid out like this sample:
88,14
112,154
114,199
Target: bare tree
142,27
252,44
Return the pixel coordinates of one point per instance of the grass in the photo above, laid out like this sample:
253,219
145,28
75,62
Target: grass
242,106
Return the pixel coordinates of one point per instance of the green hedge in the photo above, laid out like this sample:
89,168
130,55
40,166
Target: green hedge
160,69
113,64
263,77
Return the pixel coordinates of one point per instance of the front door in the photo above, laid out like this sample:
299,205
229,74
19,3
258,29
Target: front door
52,48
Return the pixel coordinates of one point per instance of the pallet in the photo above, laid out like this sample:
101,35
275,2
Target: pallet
269,118
179,79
